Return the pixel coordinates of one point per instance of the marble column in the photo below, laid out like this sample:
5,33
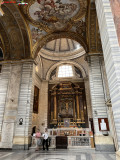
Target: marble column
25,107
4,80
115,5
78,106
88,99
55,108
74,113
81,106
109,106
99,107
112,125
111,52
11,105
43,106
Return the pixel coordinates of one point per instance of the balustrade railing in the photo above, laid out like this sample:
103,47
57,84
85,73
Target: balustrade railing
80,141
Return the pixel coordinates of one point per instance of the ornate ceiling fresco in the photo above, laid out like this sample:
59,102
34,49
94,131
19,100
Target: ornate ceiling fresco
36,33
25,29
54,19
52,15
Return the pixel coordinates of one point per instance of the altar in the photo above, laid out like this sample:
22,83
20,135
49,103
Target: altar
68,138
71,138
69,131
67,106
68,125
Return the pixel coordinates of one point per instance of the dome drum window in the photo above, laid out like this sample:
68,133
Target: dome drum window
65,71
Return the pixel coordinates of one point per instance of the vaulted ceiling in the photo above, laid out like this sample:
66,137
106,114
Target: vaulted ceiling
25,29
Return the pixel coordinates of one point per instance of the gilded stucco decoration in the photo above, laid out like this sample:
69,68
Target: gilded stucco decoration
2,45
81,28
52,15
93,36
14,34
1,11
48,19
36,33
5,42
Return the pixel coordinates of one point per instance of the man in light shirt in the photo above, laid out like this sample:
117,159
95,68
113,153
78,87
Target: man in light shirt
45,140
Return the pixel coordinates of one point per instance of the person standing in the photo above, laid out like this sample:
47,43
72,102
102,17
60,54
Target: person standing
45,140
37,136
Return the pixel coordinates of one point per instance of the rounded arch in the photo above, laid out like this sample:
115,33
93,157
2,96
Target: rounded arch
84,74
5,42
33,130
17,39
57,35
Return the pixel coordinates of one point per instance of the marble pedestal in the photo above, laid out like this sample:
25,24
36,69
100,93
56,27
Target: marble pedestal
104,143
118,155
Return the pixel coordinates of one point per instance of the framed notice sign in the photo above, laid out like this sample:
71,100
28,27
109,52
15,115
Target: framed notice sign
103,124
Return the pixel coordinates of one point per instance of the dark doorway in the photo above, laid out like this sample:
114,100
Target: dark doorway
1,54
33,130
61,142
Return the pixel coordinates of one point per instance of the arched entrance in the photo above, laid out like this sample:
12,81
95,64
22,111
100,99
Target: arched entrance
19,78
64,98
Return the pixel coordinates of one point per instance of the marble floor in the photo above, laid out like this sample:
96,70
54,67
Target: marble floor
56,155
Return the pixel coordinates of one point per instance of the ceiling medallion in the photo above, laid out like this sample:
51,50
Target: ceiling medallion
54,15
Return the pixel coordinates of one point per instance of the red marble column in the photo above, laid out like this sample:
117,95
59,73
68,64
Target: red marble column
115,5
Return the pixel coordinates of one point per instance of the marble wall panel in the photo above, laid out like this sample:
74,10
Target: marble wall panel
115,5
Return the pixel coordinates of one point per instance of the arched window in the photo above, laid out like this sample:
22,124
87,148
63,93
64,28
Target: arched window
65,71
1,54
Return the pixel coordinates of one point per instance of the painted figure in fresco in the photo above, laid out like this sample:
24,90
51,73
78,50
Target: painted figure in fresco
54,10
36,34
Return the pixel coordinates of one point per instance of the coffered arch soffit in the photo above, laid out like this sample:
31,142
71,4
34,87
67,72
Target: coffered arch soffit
62,49
13,31
50,37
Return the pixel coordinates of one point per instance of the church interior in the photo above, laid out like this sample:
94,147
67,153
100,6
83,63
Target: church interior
60,70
